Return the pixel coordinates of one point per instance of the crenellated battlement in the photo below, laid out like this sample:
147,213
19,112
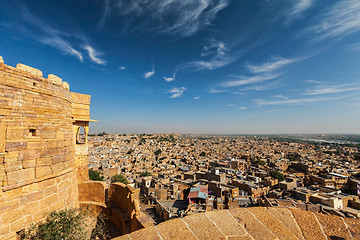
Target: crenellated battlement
53,79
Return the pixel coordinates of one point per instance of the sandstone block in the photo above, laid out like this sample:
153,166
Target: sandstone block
29,163
1,59
4,229
54,80
34,196
29,155
28,69
66,85
12,216
9,206
19,224
50,200
50,190
13,166
45,161
15,146
58,167
42,171
21,175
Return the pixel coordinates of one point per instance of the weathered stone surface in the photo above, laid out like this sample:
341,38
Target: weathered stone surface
1,59
21,175
37,157
171,230
222,222
354,227
285,216
230,227
333,226
54,80
273,224
66,85
252,225
310,227
203,227
28,69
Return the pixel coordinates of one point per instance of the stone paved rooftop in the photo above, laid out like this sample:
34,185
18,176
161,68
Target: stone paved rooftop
253,223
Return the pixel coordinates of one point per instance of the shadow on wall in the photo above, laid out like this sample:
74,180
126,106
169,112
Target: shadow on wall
119,203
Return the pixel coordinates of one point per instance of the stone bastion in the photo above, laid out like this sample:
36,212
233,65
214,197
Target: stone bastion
43,156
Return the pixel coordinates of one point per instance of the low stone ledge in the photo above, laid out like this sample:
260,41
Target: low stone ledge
55,80
28,69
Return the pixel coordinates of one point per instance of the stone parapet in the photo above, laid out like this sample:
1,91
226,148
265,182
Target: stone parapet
28,69
252,223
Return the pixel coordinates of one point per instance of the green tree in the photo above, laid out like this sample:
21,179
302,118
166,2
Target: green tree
64,224
119,178
157,152
95,175
202,154
144,174
259,162
278,175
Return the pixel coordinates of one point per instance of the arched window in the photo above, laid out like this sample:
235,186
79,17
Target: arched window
80,135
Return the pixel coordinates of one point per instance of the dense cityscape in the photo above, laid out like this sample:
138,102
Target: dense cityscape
232,171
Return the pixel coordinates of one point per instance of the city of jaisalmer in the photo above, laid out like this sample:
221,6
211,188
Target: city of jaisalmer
179,119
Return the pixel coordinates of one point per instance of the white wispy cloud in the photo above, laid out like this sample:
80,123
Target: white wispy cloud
94,55
170,79
215,90
230,105
337,21
331,89
243,108
294,101
273,64
147,75
36,29
56,41
177,92
197,98
174,17
280,96
243,80
105,14
122,68
297,9
313,81
215,54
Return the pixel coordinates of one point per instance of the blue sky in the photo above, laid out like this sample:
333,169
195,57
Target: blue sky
197,66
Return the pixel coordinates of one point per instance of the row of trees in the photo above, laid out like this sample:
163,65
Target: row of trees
96,176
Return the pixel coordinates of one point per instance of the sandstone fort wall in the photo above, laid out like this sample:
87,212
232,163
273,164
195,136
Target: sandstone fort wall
38,168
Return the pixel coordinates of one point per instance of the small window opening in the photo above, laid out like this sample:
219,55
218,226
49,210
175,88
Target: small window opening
32,132
34,84
80,136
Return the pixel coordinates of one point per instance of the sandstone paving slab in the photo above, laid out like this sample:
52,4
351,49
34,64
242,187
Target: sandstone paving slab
353,226
252,225
175,229
203,228
333,226
145,233
247,237
272,223
309,225
285,216
227,224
